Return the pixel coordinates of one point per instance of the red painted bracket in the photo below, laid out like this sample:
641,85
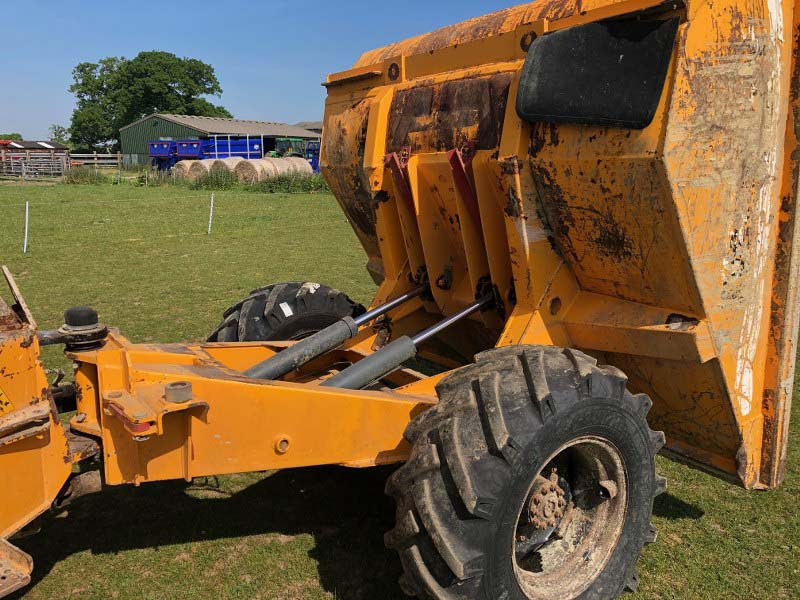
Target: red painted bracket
397,163
461,165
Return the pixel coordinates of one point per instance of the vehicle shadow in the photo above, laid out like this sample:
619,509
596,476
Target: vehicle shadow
668,506
345,510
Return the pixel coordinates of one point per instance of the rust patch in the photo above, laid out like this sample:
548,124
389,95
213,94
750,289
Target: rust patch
440,117
542,134
344,145
612,239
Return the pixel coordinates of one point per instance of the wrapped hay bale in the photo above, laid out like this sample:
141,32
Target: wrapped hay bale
200,168
301,165
181,169
225,165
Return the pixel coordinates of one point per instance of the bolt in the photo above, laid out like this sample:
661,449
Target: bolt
80,417
178,392
282,445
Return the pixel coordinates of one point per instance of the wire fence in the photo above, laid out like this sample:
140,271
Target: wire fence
30,213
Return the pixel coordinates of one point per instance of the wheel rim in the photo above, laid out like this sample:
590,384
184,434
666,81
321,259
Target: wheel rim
571,519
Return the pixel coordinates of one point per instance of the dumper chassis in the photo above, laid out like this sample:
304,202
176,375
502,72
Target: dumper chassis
581,221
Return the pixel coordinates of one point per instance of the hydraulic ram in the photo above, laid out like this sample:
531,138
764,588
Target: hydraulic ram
323,341
389,358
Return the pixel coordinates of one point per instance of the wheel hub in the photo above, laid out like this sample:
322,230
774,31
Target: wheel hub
546,507
571,519
547,503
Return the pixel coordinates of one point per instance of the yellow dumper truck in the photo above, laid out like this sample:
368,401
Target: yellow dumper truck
580,215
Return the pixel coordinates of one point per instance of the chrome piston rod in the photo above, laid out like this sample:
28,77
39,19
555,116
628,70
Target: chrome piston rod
323,341
391,356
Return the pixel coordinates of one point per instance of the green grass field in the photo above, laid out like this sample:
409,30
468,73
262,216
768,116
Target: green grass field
143,259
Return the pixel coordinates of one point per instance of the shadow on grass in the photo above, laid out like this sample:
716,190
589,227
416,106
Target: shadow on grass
344,509
668,506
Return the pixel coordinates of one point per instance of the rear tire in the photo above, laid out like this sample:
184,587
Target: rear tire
516,416
284,311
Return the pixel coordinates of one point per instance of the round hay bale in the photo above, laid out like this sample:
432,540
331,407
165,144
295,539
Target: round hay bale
282,166
200,168
248,171
291,164
181,169
225,165
301,165
268,168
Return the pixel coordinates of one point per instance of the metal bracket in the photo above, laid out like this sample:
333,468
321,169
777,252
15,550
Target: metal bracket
15,568
24,423
461,166
397,163
142,412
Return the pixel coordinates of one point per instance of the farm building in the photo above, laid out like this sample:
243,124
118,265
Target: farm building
315,126
52,149
134,138
21,158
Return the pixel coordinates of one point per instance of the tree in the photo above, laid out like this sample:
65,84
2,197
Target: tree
15,137
114,92
59,134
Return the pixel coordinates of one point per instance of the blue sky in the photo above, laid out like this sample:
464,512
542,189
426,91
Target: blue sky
269,56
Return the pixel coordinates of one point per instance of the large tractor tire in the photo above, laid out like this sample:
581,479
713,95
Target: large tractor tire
534,477
284,311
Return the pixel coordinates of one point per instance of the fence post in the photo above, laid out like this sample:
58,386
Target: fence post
211,213
25,239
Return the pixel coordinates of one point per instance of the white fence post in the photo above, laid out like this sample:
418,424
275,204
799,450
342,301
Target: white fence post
25,240
211,213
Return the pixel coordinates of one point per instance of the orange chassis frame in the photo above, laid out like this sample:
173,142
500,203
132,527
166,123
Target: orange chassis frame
719,411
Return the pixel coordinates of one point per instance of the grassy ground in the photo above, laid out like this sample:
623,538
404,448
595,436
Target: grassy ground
143,258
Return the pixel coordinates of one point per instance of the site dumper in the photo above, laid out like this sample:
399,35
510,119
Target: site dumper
580,215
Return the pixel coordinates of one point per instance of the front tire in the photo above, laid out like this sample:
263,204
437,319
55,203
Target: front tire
284,311
533,477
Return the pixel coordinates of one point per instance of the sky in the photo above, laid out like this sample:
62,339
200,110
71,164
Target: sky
270,57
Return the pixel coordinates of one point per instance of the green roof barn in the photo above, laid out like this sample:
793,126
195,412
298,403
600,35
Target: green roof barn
135,137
